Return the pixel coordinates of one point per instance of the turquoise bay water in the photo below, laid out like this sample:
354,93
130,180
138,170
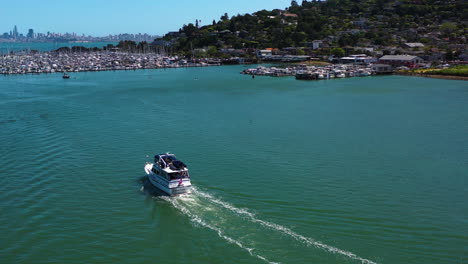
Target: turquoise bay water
361,170
6,47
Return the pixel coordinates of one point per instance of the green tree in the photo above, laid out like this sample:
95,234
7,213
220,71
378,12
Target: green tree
447,28
299,37
225,17
189,29
449,56
338,52
232,26
127,45
212,51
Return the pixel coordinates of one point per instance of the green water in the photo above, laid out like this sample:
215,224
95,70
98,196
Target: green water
359,170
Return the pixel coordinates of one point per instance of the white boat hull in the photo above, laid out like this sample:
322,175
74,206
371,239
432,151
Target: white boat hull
173,187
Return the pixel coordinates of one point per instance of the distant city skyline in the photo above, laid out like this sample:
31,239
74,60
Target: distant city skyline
103,18
15,36
31,33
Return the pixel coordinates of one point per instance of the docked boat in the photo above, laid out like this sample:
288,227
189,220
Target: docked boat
169,174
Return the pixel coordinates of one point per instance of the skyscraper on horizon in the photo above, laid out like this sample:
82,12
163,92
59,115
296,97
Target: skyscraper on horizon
30,33
15,32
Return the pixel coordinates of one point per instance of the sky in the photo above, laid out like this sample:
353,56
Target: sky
104,17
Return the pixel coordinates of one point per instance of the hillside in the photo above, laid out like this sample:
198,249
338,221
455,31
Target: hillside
337,23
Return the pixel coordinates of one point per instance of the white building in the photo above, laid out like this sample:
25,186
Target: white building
316,44
263,53
358,58
400,60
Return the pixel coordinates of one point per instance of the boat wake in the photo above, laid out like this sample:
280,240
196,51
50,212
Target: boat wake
240,227
175,201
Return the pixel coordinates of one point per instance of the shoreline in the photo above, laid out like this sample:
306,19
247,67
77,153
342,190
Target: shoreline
434,76
52,62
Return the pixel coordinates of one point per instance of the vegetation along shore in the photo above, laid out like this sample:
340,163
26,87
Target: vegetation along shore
459,72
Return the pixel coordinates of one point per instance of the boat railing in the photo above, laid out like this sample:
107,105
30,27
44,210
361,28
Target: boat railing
158,159
163,162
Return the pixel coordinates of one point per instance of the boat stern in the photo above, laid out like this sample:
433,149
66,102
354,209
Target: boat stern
182,186
181,190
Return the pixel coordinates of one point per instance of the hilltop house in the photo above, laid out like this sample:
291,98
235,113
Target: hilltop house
289,15
317,44
414,45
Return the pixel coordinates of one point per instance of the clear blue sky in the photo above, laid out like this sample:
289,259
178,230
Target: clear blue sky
103,17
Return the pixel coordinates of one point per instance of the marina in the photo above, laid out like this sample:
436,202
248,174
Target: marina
50,62
305,72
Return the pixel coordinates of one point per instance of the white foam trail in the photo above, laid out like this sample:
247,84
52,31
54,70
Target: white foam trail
283,229
198,220
223,204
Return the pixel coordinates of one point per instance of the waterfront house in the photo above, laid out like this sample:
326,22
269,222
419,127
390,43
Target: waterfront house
264,53
434,55
233,52
401,60
381,68
357,58
290,50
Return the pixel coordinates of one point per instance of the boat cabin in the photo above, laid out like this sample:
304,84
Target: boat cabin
168,166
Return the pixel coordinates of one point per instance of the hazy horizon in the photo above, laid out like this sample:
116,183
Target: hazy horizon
117,17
